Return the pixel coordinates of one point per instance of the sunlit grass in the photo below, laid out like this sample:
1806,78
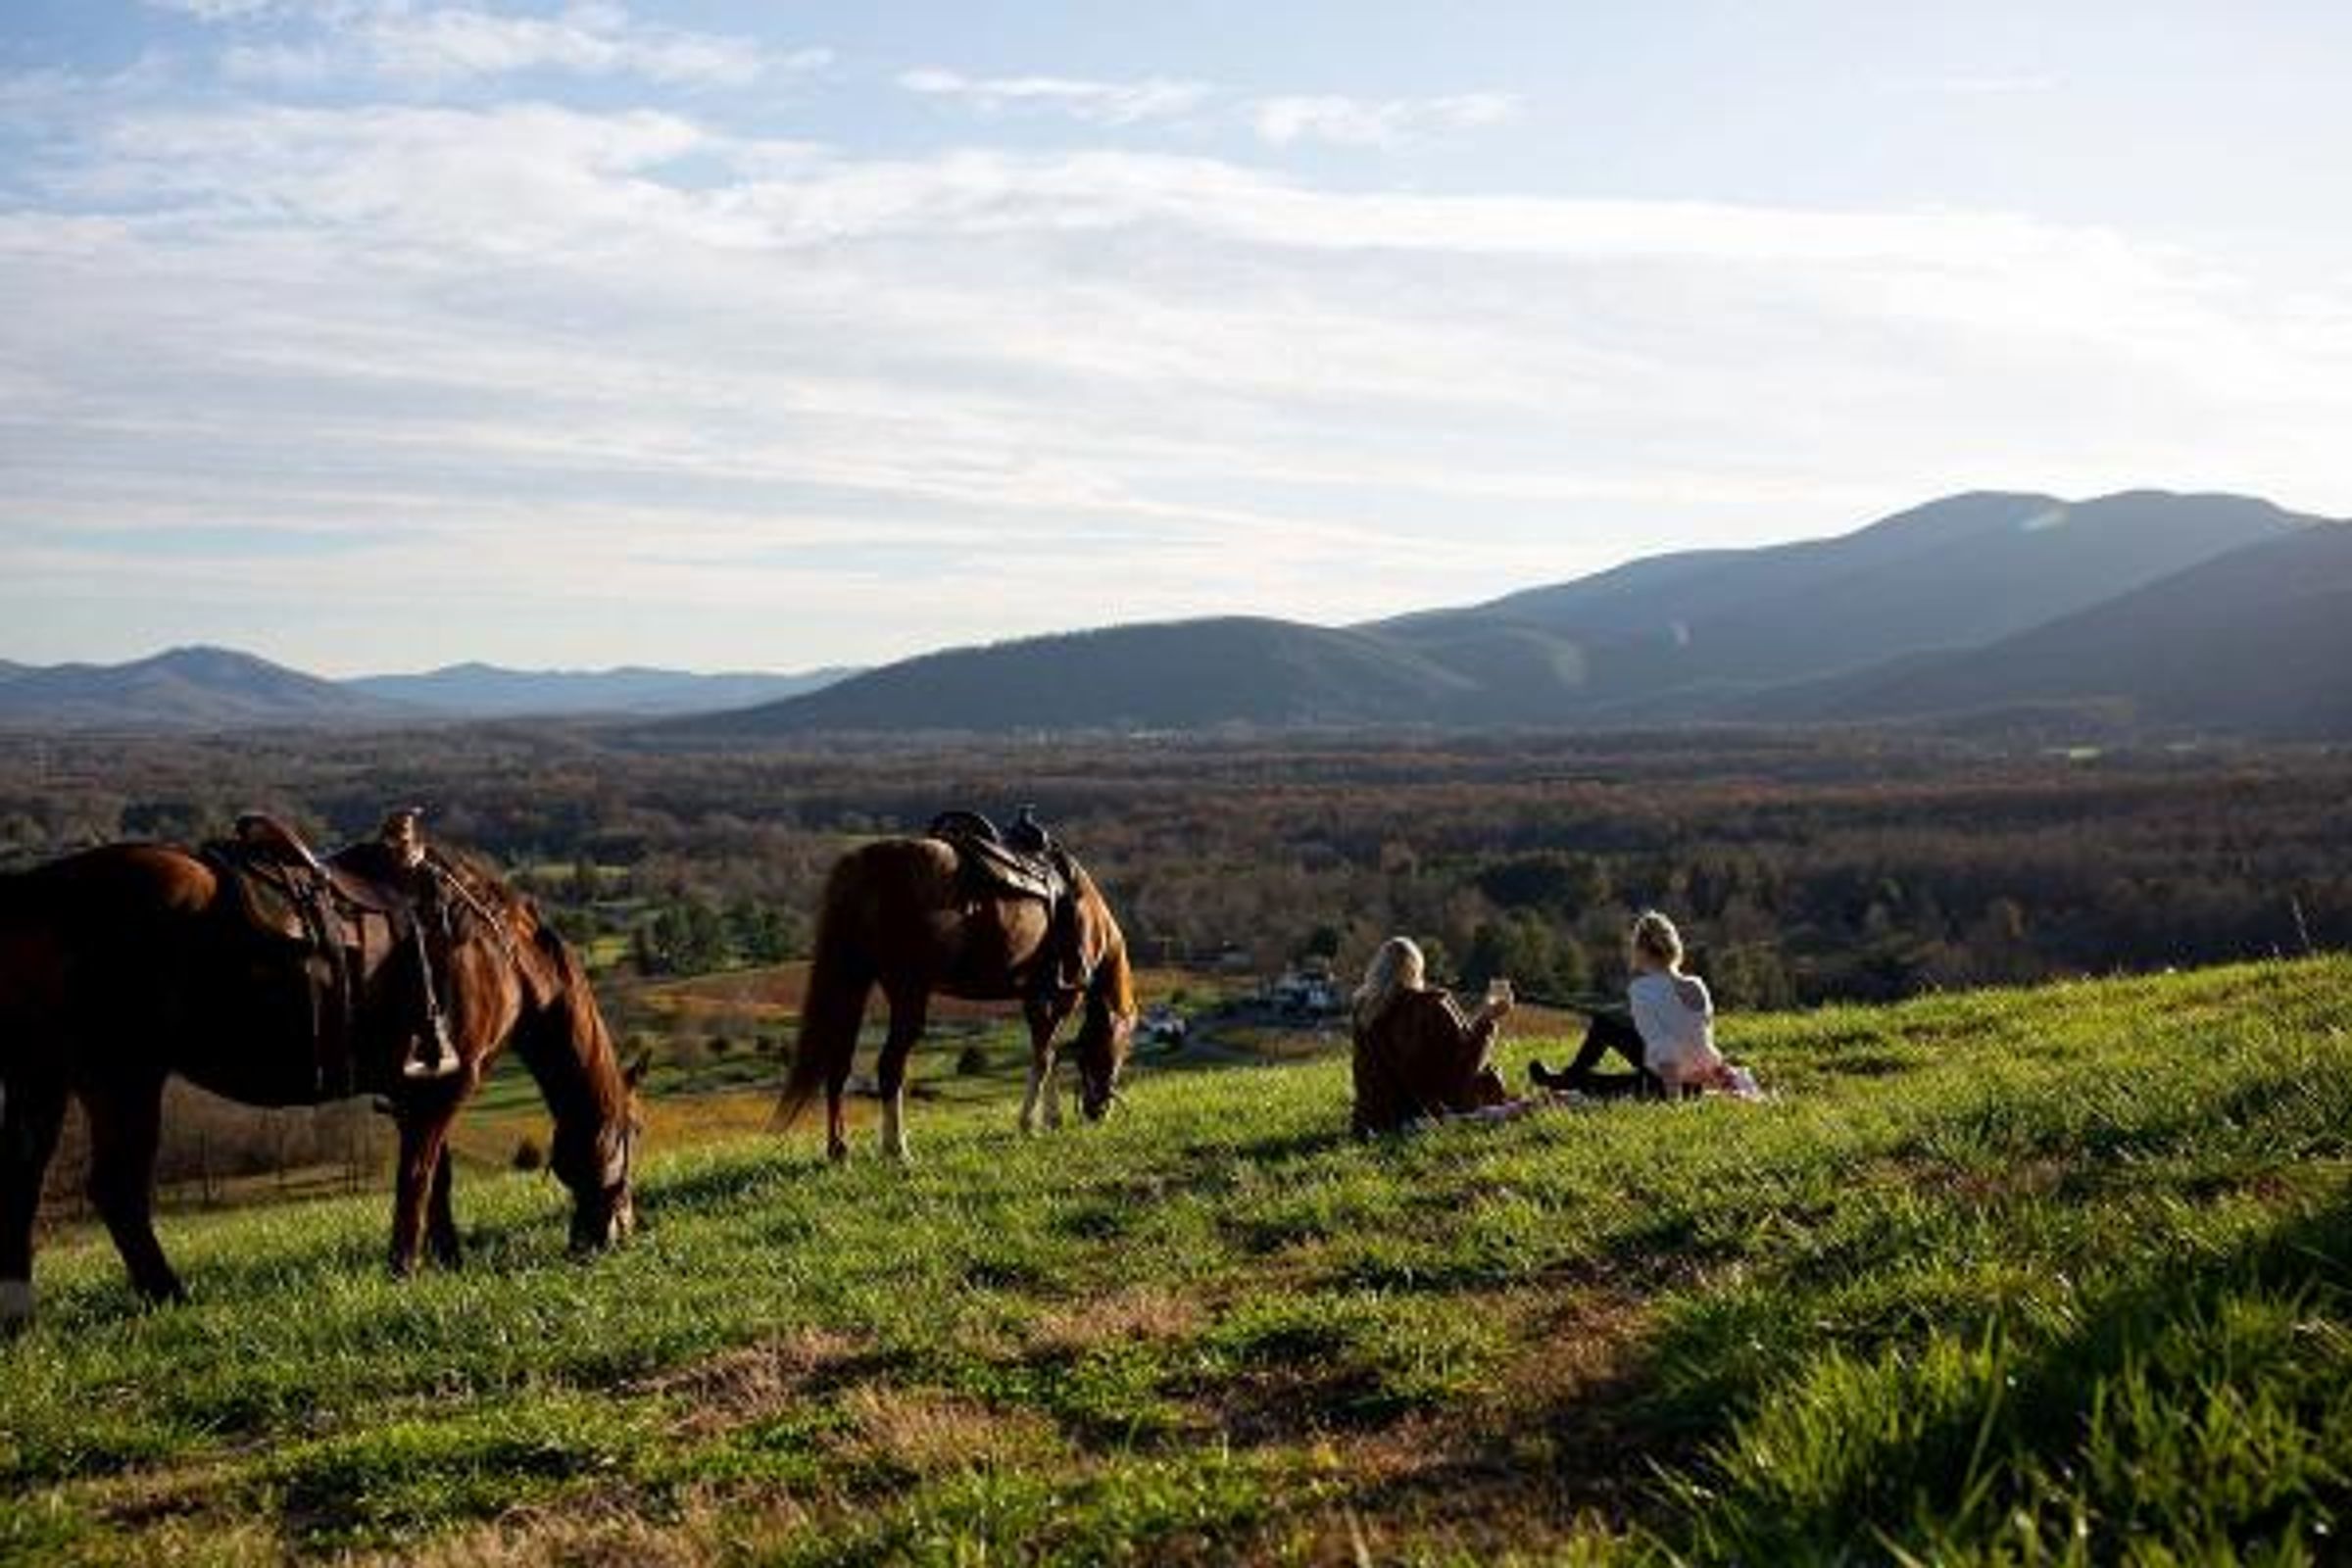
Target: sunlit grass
2051,1275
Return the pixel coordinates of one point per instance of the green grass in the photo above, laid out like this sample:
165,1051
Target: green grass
2054,1276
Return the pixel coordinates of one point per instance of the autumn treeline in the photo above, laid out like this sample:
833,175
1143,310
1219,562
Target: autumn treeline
1804,865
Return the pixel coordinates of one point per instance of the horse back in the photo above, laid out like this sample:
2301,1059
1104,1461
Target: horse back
111,884
901,911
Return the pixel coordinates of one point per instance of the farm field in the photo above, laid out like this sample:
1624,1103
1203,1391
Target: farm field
2048,1275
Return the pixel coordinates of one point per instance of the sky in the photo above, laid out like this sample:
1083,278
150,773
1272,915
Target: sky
373,335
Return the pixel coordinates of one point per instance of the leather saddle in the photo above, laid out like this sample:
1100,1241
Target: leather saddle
993,862
1022,862
345,917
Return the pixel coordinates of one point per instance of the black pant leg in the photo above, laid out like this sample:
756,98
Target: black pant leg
1607,1032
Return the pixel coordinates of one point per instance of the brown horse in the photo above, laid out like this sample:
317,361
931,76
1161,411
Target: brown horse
896,914
122,965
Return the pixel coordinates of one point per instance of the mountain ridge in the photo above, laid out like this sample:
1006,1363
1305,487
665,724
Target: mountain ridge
473,689
2226,638
1935,608
1661,639
194,687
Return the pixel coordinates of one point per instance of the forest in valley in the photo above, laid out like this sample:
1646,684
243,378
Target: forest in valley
1803,865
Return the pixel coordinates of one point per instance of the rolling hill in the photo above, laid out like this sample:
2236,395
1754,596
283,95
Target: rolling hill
1696,635
1181,674
186,689
2259,641
1955,573
1970,603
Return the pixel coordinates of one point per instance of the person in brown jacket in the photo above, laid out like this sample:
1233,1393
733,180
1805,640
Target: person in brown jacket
1417,1056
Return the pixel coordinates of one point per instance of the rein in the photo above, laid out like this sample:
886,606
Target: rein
446,876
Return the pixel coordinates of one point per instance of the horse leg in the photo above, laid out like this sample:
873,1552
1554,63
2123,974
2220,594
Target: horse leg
908,1013
440,1225
32,1107
126,1124
1043,1021
837,1126
423,1139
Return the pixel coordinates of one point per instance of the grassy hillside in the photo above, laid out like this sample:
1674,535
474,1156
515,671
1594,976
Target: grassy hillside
2056,1275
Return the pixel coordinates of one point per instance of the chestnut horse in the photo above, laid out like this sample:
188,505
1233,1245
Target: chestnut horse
122,965
898,915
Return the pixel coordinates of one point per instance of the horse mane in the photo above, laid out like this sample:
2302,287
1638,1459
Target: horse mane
1121,1000
1113,958
583,1083
575,1064
484,898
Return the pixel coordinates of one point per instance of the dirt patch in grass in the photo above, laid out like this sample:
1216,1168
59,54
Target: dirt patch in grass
924,1432
585,1533
738,1386
1144,1312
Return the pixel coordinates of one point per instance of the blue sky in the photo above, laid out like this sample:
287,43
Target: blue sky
376,334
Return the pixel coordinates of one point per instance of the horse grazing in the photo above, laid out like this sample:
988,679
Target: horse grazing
122,965
902,914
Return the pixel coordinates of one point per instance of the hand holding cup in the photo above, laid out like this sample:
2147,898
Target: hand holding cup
1499,1001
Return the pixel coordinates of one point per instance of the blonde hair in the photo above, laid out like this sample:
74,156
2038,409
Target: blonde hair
1654,937
1398,966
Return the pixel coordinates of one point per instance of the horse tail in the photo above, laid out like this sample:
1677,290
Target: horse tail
20,901
839,978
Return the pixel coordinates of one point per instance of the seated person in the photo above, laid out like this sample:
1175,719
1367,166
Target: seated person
1417,1056
1668,1033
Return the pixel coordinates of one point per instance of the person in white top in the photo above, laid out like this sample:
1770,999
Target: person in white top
1670,1035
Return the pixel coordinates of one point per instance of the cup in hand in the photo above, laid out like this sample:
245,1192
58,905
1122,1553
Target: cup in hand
1499,994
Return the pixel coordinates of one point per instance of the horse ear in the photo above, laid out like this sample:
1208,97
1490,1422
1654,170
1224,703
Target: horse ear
634,1073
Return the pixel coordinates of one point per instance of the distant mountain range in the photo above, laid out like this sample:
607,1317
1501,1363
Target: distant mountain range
2196,612
186,689
482,691
197,689
2257,641
1964,604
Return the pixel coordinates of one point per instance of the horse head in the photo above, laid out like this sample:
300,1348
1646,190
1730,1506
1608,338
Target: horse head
1107,1031
562,1036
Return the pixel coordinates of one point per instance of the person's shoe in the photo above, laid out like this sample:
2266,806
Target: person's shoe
1543,1078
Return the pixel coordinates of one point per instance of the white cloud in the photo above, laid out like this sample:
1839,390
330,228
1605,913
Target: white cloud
454,44
444,45
504,342
1102,103
1376,123
1281,120
219,9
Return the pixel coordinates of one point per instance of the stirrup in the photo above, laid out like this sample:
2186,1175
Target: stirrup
443,1064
